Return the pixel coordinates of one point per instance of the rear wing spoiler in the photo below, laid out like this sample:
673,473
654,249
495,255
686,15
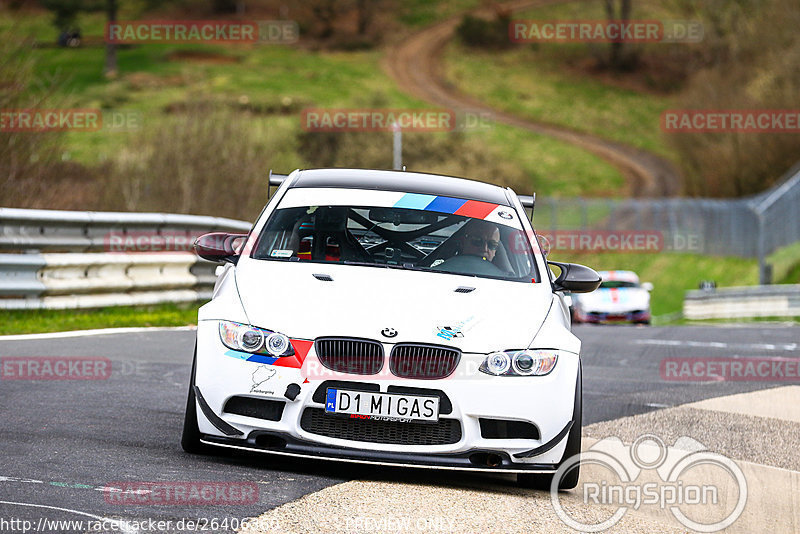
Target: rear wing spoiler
527,201
277,180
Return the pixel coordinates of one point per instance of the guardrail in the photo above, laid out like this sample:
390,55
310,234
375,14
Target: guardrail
69,259
743,302
89,231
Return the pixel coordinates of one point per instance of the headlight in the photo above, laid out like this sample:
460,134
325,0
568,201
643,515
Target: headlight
531,362
248,338
496,363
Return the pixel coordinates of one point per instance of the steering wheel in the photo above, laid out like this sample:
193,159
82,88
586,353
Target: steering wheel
468,264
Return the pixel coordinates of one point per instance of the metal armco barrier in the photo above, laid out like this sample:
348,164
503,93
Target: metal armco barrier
70,259
89,231
743,302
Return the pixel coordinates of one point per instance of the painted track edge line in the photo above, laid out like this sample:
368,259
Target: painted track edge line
123,525
96,332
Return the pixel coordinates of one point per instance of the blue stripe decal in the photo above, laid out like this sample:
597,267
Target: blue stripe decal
237,354
414,201
258,358
262,358
445,204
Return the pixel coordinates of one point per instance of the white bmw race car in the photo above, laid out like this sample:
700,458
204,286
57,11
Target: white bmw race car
390,318
620,298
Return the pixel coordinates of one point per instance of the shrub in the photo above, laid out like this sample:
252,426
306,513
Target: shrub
482,33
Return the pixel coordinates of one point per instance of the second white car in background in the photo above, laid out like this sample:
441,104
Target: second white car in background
620,298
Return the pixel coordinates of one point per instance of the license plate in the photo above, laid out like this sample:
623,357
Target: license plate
382,406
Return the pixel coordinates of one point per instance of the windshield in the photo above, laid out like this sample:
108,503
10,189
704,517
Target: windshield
612,284
402,238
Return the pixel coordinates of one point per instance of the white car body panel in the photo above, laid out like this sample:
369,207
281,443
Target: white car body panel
360,302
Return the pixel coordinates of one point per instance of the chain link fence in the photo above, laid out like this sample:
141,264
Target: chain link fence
752,227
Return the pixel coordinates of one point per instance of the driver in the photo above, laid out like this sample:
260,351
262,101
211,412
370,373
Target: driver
481,238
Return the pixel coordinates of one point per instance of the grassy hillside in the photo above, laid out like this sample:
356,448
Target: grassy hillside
261,90
557,83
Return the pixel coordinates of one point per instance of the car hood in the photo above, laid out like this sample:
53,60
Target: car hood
419,306
614,300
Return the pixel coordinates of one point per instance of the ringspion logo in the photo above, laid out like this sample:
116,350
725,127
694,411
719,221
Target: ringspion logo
649,474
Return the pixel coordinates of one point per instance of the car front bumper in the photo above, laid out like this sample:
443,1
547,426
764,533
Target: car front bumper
299,426
615,317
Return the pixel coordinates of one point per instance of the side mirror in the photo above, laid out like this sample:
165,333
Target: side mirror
575,278
220,246
647,286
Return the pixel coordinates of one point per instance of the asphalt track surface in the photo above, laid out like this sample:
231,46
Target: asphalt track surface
63,441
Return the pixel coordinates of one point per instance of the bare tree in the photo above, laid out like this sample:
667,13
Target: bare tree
365,10
110,69
325,12
618,11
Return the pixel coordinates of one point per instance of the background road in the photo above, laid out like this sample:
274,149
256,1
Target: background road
62,441
415,64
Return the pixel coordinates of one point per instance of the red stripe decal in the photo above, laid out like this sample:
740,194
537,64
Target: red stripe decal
476,209
301,348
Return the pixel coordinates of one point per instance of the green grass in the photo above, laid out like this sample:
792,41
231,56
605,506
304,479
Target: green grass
553,168
420,13
530,84
672,274
152,79
786,264
535,81
36,321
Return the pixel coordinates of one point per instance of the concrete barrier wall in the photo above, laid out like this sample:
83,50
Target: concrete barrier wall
743,302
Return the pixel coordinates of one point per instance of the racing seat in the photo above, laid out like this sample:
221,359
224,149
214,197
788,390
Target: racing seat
331,237
501,260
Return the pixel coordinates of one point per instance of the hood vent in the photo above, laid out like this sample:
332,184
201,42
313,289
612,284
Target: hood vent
464,289
323,277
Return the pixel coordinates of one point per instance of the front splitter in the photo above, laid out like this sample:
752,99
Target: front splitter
292,447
